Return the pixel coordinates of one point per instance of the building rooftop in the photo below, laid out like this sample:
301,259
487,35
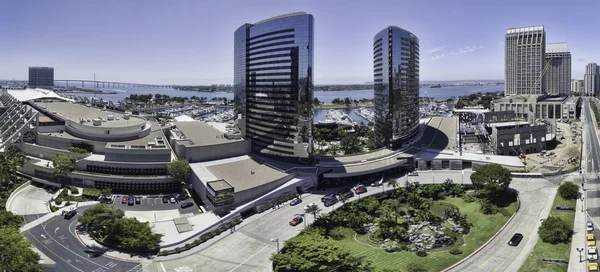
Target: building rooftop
524,29
219,185
510,124
200,133
281,16
75,112
156,133
562,47
246,173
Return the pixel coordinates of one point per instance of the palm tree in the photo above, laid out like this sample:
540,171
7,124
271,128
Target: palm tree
313,209
394,184
343,199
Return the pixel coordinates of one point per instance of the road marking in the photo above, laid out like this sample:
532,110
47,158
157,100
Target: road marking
73,251
163,267
53,252
248,259
56,230
43,236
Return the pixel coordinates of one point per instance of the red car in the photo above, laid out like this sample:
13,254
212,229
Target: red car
360,189
297,220
124,200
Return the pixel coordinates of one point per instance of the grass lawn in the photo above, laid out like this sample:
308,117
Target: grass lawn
484,227
546,250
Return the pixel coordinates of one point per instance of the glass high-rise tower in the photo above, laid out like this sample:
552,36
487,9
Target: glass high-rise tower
396,76
524,56
273,88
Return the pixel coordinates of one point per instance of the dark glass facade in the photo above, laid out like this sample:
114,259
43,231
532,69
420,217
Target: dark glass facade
41,77
396,76
273,88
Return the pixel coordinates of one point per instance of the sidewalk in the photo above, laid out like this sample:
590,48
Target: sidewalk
578,241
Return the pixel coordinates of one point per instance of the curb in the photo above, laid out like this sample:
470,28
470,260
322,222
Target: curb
488,241
105,255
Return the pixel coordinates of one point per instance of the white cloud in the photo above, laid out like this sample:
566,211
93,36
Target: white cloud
437,49
466,50
437,57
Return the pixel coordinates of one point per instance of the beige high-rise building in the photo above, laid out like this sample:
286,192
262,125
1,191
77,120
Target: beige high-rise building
524,61
592,79
557,74
576,86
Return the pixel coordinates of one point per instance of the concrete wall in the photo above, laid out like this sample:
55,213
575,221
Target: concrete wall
138,155
531,139
252,193
45,129
82,164
99,133
211,152
47,153
65,143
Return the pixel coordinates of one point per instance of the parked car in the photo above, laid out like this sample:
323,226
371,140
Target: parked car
165,199
308,206
590,226
295,202
138,200
325,198
130,200
187,205
345,192
515,240
297,220
413,173
359,189
377,183
330,201
592,253
592,267
70,214
172,200
124,200
590,239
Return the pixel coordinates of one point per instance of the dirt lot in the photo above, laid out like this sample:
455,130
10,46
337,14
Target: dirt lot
566,154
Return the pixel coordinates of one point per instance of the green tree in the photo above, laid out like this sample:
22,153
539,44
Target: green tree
9,163
180,170
554,230
316,102
350,144
313,209
62,164
491,180
415,267
313,252
10,220
16,253
347,101
568,190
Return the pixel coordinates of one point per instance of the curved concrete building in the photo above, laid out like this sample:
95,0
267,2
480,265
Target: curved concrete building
273,89
396,76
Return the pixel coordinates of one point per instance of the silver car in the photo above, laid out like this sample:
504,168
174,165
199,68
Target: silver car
590,226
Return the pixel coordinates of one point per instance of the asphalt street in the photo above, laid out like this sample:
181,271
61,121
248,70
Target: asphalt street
536,196
252,244
591,153
56,238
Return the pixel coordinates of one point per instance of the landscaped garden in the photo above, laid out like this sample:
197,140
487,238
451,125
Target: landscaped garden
414,228
555,246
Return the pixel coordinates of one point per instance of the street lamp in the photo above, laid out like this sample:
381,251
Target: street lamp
580,250
276,240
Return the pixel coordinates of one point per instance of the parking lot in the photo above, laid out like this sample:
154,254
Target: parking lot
148,204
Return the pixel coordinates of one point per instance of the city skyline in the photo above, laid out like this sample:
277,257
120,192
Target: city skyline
190,43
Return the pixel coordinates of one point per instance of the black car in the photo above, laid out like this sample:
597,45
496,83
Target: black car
345,192
130,200
138,200
70,214
330,201
327,198
165,199
515,240
186,205
295,202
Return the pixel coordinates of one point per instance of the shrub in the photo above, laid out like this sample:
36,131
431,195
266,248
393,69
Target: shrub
415,267
487,207
78,150
554,230
337,233
58,200
456,251
468,198
568,190
422,253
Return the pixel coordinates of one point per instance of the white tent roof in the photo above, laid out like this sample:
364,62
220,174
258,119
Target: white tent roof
32,94
184,118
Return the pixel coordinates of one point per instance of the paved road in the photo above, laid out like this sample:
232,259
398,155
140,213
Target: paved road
591,154
250,246
536,196
56,238
31,200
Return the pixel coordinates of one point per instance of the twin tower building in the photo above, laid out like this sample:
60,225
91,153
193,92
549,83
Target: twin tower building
273,85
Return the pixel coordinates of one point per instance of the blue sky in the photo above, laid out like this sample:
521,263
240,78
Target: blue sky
191,42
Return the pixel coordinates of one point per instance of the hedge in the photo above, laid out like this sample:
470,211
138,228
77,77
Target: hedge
203,238
78,150
278,201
